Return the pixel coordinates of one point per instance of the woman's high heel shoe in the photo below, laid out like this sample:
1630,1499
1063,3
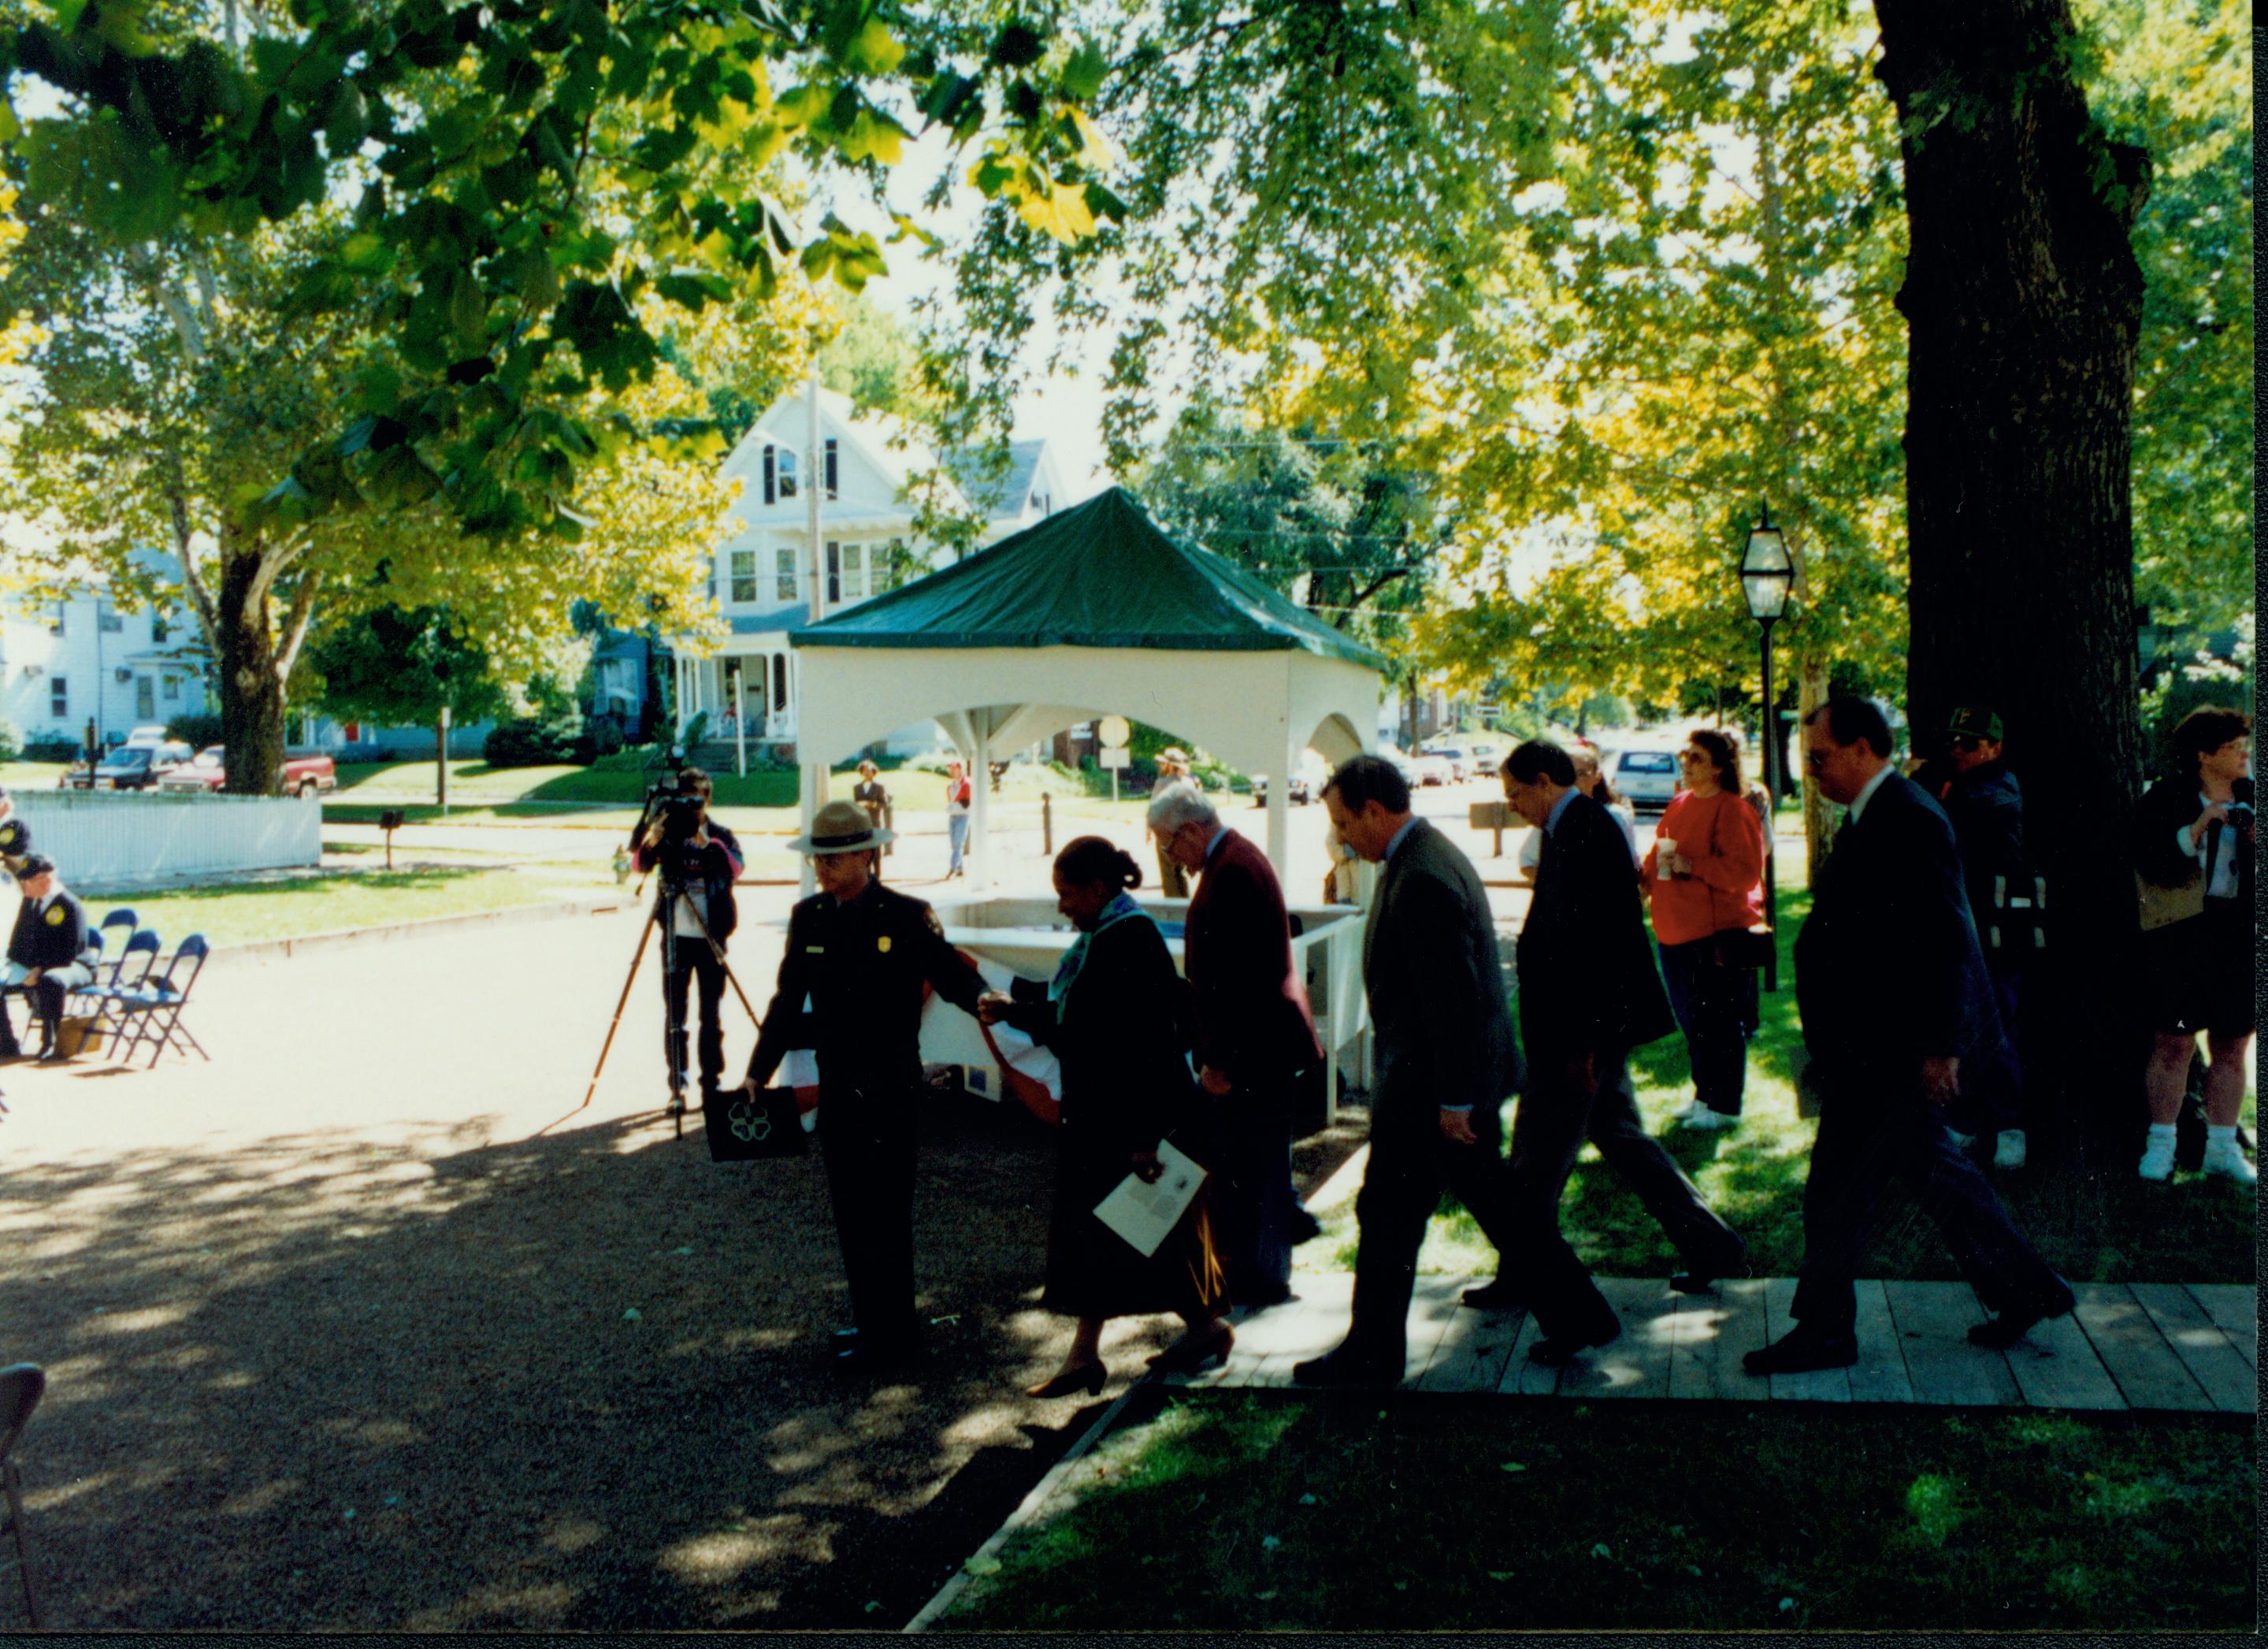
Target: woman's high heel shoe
1085,1379
1193,1352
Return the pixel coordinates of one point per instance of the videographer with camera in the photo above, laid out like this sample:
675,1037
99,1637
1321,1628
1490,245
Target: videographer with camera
698,860
2193,836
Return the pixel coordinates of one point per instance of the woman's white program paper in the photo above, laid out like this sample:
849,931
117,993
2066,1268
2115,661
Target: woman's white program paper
1143,1214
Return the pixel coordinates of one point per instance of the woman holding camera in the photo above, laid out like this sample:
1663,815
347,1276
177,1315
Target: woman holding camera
1704,876
2193,871
1116,1014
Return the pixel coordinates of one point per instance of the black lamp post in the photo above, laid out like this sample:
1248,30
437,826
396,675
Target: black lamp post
1767,570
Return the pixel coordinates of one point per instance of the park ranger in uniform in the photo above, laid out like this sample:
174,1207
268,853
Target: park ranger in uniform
860,952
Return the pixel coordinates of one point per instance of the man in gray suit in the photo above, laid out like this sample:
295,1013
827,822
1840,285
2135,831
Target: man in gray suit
1445,1058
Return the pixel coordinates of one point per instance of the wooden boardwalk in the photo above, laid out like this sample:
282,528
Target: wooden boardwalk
2144,1345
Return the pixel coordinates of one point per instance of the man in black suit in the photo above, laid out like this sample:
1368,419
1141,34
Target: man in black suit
1446,1057
1588,994
1894,996
44,959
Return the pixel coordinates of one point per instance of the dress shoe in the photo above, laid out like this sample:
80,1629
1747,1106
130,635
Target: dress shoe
1348,1366
1302,1227
1801,1349
52,1057
1705,1118
1085,1380
1502,1294
1193,1352
1693,1282
1555,1349
1997,1334
1688,1111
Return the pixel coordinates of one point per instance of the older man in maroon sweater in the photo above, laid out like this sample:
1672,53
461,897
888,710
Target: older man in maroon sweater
1254,1037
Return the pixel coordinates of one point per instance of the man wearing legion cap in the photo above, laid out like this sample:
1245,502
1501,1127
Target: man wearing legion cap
859,953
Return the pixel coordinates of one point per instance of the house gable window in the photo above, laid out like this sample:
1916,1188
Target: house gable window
744,575
107,619
854,572
61,624
158,629
786,463
783,578
58,698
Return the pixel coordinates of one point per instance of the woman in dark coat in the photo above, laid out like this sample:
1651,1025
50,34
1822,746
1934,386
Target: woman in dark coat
1116,1016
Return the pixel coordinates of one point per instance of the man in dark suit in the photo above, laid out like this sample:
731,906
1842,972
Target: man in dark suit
45,963
1588,994
1445,1054
1895,997
860,953
1255,1036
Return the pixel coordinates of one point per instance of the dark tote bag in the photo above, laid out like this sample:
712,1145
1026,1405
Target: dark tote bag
744,1127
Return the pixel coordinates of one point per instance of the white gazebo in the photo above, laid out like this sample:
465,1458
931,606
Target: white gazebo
1092,611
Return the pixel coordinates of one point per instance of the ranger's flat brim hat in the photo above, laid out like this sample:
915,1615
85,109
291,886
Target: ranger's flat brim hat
841,827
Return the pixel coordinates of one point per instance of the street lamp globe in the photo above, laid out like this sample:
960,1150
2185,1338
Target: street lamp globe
1767,570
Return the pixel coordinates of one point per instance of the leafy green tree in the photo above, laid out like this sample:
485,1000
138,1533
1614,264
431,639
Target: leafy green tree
2175,78
402,667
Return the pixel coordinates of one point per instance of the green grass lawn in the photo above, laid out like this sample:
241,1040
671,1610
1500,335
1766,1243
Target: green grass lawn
253,912
1263,1511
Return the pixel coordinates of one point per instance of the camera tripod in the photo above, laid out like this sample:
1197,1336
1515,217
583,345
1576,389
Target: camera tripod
663,916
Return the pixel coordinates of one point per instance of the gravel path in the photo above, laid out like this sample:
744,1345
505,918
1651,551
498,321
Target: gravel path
336,1339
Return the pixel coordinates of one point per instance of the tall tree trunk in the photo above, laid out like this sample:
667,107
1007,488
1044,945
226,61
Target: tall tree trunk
251,690
2023,302
1811,692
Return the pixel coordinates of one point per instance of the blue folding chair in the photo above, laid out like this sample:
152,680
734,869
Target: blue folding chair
152,1013
125,979
121,918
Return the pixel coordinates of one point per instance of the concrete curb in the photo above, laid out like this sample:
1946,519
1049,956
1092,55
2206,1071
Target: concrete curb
271,949
1027,1509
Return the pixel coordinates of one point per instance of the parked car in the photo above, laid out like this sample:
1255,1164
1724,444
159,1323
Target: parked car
1646,779
1307,781
1427,768
302,775
129,766
1460,761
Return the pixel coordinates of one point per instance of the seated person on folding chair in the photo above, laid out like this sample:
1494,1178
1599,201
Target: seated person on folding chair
44,953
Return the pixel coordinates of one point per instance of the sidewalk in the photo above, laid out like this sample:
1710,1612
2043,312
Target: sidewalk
2138,1346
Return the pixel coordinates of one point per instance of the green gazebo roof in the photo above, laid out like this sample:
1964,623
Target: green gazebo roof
1100,575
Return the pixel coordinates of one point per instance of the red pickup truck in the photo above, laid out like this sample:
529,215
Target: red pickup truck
302,775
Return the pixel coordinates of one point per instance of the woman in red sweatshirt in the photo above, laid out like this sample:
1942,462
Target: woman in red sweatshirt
1704,875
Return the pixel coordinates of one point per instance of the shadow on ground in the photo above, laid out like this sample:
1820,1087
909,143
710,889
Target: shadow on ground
320,1384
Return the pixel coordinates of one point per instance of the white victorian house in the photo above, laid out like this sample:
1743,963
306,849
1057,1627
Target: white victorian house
65,665
760,580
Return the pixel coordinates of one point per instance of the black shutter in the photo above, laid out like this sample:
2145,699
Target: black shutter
771,476
833,472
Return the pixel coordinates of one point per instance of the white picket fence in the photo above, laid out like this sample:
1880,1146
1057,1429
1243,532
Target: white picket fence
134,839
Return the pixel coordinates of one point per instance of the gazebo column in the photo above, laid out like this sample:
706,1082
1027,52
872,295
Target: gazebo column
1279,814
980,823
